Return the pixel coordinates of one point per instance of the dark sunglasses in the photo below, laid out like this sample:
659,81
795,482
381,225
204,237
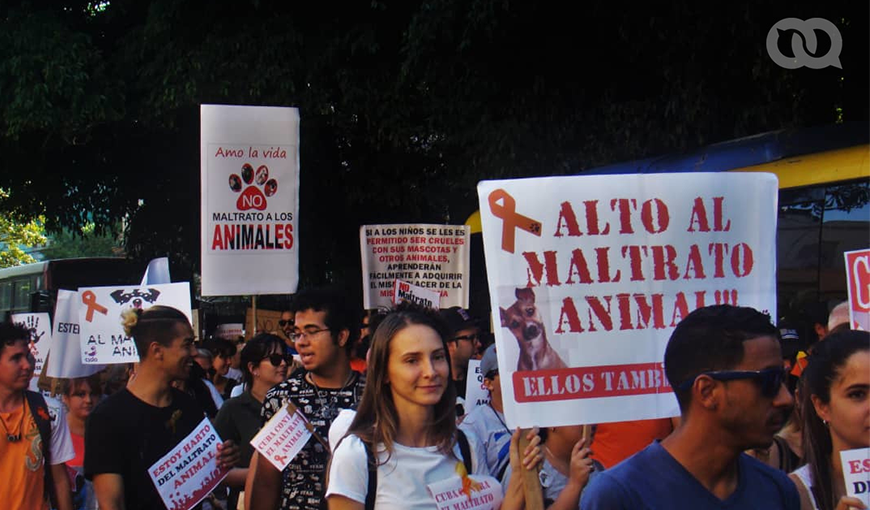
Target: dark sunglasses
283,323
470,338
769,380
276,359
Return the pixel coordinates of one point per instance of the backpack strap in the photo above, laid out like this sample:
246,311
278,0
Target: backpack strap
39,411
372,464
464,450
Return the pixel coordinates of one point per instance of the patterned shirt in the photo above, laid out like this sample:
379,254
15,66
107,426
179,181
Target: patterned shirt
304,479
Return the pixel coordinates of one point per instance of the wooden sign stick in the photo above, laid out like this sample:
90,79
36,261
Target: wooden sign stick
531,482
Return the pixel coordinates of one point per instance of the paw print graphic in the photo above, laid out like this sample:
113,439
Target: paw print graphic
31,322
253,197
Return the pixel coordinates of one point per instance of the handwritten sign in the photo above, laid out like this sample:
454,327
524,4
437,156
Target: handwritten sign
856,471
433,257
102,338
474,492
476,393
404,291
282,437
858,278
39,325
589,275
190,471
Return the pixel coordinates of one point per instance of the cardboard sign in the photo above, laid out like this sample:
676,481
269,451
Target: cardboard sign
267,322
102,339
190,471
474,492
589,275
404,291
856,471
476,393
858,283
433,257
282,437
66,351
39,325
250,200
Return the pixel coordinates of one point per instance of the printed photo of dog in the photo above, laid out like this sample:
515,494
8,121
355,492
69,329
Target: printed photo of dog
523,319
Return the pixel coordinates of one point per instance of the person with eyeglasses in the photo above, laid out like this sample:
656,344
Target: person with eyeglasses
263,365
462,344
724,364
326,325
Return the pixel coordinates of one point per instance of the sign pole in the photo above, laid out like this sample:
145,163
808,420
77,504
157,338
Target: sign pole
531,482
254,307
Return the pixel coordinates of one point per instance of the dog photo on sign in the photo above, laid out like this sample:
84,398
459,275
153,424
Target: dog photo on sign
523,319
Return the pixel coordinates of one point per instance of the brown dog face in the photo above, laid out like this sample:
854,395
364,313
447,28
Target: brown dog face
522,318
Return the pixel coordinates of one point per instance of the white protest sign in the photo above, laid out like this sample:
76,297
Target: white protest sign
157,272
39,325
856,471
404,291
250,200
282,438
474,492
590,274
190,471
476,393
858,283
66,352
102,338
434,257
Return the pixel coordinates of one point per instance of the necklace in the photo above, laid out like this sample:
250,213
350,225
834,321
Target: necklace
10,437
503,424
328,402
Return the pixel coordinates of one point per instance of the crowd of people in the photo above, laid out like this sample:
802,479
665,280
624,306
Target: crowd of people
760,425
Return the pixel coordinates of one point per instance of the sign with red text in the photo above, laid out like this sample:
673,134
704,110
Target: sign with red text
39,325
190,471
856,471
282,437
589,275
404,291
101,335
476,393
858,279
250,199
474,492
433,257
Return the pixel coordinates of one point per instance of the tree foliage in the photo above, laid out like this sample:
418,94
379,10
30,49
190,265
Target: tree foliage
15,236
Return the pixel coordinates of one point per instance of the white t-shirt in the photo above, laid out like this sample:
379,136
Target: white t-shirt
403,480
62,449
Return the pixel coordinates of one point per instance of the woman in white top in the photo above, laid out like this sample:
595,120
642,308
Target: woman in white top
836,407
407,421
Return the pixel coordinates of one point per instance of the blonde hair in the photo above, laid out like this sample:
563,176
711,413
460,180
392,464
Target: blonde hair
156,324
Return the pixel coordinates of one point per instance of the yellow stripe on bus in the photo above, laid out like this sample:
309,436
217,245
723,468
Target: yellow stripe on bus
819,168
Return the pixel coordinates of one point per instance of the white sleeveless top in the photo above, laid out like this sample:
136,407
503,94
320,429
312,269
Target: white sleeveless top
805,478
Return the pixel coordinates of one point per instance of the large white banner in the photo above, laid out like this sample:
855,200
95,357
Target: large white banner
589,275
102,338
434,257
250,200
66,351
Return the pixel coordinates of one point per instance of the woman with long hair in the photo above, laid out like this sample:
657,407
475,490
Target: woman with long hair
263,365
404,437
836,410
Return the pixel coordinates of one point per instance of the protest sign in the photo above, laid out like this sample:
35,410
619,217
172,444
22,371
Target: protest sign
404,291
157,272
102,339
474,492
856,471
282,437
230,331
589,275
858,278
267,322
66,351
434,257
476,393
190,471
39,325
250,200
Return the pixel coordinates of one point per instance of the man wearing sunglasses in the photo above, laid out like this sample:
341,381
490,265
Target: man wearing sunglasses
724,364
325,329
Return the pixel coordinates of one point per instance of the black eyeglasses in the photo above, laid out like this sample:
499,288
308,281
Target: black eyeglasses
275,359
283,323
769,380
470,338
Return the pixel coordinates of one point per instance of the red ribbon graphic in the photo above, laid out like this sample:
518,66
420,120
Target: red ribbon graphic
512,220
89,299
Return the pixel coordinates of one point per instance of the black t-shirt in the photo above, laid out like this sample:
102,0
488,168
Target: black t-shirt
125,435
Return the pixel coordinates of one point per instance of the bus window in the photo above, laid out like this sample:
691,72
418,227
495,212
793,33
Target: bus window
5,295
21,294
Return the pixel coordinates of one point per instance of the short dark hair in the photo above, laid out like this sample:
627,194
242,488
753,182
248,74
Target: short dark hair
11,333
711,338
340,314
220,347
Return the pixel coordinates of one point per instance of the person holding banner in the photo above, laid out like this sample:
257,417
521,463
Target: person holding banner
132,429
836,412
403,449
724,364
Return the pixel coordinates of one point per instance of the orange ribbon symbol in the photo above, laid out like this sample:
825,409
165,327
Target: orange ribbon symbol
512,220
89,299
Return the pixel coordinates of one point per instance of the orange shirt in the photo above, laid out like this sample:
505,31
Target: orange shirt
79,446
615,442
21,462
